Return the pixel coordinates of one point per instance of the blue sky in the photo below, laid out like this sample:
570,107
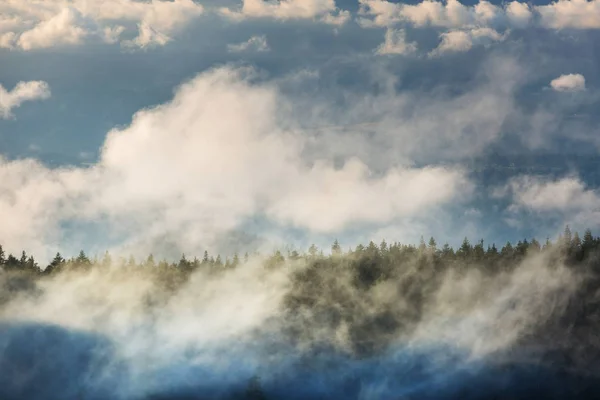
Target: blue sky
300,121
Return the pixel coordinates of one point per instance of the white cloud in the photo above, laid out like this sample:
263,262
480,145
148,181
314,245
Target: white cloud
61,29
31,24
519,14
567,198
579,14
322,10
197,167
22,92
255,43
461,41
395,43
564,194
568,83
452,14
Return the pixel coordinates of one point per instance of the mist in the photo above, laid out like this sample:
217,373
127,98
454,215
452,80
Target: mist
389,321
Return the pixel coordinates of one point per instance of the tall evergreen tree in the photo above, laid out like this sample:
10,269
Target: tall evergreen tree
55,265
336,249
465,249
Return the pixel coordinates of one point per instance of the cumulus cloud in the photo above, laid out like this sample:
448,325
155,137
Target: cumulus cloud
519,14
567,198
461,41
198,166
395,43
540,194
579,14
323,10
61,29
255,43
22,92
32,24
452,14
568,83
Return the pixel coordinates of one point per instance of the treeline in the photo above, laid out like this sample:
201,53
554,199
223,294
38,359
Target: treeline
373,294
572,246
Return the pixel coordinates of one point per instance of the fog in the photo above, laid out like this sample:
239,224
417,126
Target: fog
308,327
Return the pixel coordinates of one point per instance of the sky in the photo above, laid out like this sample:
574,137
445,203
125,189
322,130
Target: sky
182,126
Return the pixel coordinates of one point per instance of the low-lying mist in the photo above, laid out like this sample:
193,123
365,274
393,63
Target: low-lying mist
379,322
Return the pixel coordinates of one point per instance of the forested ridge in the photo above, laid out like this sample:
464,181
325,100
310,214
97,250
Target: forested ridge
574,249
530,300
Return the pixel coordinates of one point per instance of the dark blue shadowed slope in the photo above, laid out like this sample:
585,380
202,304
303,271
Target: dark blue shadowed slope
48,362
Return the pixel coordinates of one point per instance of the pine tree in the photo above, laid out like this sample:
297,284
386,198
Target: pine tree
183,263
567,238
82,260
465,249
588,242
447,251
507,251
31,265
150,263
479,251
422,246
336,249
588,239
55,265
535,246
383,247
432,244
23,260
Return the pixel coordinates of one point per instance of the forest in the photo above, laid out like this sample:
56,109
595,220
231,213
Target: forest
337,311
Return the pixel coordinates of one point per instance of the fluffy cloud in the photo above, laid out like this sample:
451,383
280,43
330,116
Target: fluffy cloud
198,166
568,83
32,24
466,25
539,194
23,91
519,14
452,14
322,10
61,29
460,41
579,14
568,198
395,43
255,43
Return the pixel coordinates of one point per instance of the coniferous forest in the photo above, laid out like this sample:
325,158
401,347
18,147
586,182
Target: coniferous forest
377,321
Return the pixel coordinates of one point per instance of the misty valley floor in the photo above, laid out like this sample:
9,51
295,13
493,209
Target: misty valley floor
49,362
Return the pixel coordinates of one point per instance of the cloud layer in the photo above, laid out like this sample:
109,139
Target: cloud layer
321,10
37,24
